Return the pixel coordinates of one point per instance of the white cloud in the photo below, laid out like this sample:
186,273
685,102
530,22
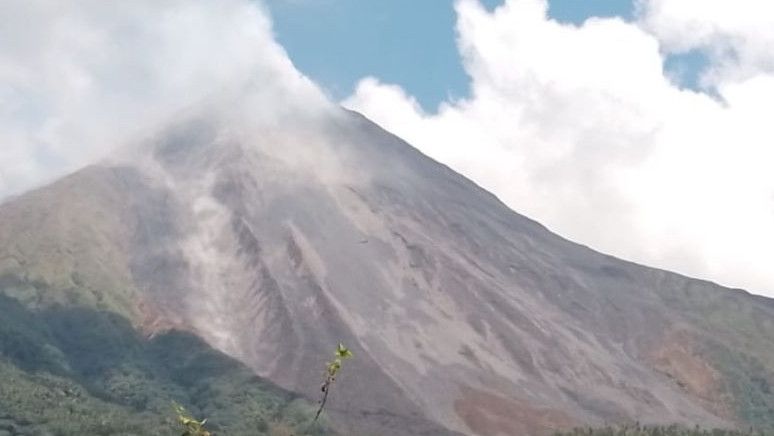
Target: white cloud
578,127
79,78
738,35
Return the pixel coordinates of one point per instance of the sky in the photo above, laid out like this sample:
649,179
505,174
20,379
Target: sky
406,42
640,129
411,43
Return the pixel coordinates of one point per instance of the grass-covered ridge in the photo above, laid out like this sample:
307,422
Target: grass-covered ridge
79,371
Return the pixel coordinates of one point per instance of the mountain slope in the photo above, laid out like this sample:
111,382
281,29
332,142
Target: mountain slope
79,371
275,242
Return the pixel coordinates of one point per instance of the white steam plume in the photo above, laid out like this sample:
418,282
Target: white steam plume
80,78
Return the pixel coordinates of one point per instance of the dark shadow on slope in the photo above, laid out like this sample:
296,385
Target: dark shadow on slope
75,370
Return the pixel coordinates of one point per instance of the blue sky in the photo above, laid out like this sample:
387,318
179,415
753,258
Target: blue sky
406,42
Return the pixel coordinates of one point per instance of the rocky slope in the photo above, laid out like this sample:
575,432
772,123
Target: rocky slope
273,243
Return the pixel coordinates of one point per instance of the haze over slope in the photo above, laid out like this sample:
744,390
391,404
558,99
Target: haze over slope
275,240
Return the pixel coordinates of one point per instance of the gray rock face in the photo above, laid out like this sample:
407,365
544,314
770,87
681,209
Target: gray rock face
274,245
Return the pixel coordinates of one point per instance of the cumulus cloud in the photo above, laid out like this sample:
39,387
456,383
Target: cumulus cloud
580,128
737,36
78,79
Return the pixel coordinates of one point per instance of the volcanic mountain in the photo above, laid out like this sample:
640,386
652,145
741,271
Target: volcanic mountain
273,242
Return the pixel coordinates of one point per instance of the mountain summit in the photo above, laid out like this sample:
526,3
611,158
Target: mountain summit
274,241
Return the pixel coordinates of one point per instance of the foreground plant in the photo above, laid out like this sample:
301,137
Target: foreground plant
191,426
341,354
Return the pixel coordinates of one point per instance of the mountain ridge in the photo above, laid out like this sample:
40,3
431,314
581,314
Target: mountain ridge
272,242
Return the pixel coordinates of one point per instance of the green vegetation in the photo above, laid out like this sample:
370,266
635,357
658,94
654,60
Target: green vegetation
77,371
672,430
191,426
341,354
735,336
748,382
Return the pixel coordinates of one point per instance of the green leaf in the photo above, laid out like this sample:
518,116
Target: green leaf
343,352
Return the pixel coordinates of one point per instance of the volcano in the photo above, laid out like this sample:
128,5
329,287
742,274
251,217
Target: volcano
273,242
